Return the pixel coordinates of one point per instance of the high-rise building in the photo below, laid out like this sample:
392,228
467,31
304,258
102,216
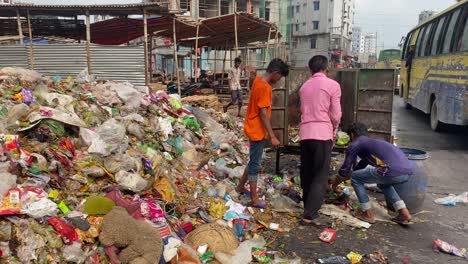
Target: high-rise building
320,27
425,15
364,42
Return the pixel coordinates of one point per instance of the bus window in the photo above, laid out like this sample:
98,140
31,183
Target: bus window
406,46
427,33
450,30
420,38
436,39
461,36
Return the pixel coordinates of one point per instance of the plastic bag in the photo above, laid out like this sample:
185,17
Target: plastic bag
131,181
7,181
165,127
243,254
342,138
84,76
283,204
87,136
134,117
453,199
131,97
177,145
136,130
16,113
113,134
122,162
67,232
40,208
73,253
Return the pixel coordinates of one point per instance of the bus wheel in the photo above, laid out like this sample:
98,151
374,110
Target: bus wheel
436,125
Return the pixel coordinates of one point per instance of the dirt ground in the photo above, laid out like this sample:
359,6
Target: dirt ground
446,170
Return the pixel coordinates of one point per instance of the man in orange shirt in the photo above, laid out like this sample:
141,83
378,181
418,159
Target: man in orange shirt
257,126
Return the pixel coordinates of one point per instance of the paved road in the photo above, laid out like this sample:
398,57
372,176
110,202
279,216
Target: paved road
447,170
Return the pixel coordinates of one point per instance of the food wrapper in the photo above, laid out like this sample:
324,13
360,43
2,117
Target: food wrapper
354,257
450,249
328,235
261,255
67,232
11,203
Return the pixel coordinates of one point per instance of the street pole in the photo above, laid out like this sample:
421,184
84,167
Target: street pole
341,34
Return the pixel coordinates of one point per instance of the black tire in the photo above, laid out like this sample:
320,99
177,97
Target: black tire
436,125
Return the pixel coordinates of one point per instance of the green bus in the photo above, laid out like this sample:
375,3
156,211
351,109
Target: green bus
389,58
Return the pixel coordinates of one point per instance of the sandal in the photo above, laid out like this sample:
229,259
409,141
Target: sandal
313,223
359,215
401,221
260,205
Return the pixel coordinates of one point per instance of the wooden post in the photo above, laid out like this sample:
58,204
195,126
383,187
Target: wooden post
78,32
31,49
235,28
176,61
267,48
88,42
20,28
277,44
151,58
216,62
219,7
224,65
196,52
145,38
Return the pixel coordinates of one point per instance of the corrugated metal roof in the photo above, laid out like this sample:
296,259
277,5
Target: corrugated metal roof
215,31
72,10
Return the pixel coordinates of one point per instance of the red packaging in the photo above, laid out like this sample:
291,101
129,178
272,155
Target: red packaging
328,235
67,232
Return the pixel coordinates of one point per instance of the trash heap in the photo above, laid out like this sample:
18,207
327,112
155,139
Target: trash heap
105,172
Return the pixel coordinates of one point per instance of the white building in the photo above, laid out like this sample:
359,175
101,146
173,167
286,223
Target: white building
370,44
6,2
317,28
364,44
425,15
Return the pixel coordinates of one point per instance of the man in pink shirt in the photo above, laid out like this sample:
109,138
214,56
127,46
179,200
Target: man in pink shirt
320,117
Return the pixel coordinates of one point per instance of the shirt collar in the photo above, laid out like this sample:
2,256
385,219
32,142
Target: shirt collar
319,74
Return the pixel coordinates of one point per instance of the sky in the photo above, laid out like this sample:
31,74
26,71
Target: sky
393,19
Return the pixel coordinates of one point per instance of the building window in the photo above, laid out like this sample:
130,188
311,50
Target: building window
297,27
313,43
316,5
315,25
298,9
267,14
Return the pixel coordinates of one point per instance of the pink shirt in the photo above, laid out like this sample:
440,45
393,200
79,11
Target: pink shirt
320,108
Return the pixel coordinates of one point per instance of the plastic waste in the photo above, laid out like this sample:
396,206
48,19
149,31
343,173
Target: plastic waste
243,254
73,253
328,235
135,130
165,127
87,136
131,181
5,231
449,249
7,181
342,138
84,76
354,257
113,134
334,260
284,204
128,94
121,162
452,200
40,208
17,112
67,232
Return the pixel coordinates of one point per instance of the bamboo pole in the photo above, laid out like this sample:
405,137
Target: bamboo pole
176,61
145,38
88,42
235,28
277,44
151,58
224,65
31,49
196,52
267,48
215,61
20,28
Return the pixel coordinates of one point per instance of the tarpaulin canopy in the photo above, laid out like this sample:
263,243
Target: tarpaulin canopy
216,31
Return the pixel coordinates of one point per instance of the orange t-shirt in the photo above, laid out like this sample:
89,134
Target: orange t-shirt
260,97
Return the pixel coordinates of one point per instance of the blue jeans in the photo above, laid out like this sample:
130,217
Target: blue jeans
255,159
385,183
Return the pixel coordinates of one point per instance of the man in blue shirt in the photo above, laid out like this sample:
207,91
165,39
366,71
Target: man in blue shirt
388,166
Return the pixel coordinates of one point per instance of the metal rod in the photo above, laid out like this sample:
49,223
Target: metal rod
20,28
31,49
145,37
88,42
176,61
196,53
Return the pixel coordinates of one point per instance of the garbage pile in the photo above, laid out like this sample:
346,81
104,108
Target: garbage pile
105,172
